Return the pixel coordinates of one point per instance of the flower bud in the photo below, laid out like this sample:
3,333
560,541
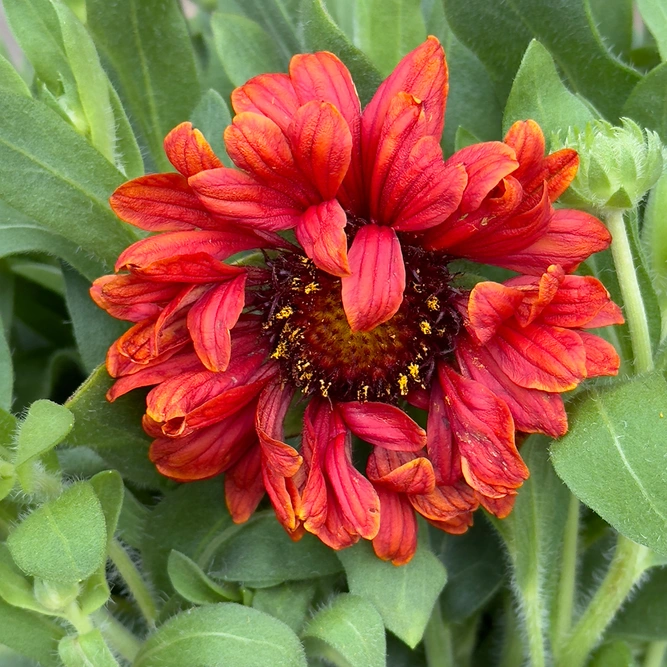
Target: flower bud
618,165
54,596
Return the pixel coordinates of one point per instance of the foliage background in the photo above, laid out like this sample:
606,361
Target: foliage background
104,562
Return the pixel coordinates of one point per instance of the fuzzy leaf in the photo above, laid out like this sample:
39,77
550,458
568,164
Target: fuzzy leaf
288,602
85,651
211,116
648,102
655,17
194,585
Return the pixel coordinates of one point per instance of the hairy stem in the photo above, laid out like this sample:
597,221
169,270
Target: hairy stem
531,602
116,635
655,654
438,640
134,581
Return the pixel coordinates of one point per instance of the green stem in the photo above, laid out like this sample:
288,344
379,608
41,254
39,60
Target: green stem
635,311
655,654
78,619
121,640
134,581
531,603
629,563
438,640
512,650
568,576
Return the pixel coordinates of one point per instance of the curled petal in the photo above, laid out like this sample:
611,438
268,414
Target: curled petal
489,305
383,425
321,233
400,472
374,292
244,486
211,320
601,357
445,502
142,344
322,146
188,151
160,203
500,507
538,294
271,95
396,540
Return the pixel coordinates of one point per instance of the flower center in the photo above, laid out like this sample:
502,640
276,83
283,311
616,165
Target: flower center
318,352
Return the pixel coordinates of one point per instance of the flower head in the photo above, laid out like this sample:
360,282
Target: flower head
358,315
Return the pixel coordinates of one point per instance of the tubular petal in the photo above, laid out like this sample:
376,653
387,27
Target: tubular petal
489,305
442,451
396,540
188,151
383,425
374,292
244,486
321,232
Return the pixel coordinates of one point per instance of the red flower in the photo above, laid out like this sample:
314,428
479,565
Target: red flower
361,315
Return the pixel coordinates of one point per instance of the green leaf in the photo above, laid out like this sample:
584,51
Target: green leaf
404,595
236,41
347,632
6,371
94,328
10,79
648,102
614,654
222,634
539,93
121,441
475,569
613,21
612,458
260,553
30,634
655,16
194,585
211,116
533,532
132,520
654,233
64,540
45,425
46,275
290,602
388,29
567,29
321,33
127,152
95,591
644,616
15,588
109,489
64,190
188,519
147,47
85,651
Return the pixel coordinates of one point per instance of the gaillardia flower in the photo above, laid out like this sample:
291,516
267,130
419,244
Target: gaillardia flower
356,314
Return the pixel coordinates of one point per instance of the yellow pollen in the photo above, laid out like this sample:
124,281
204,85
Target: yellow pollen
284,313
414,371
362,394
310,288
280,350
324,388
425,327
433,303
485,221
403,384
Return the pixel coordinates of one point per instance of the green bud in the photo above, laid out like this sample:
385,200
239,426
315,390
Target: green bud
617,165
54,596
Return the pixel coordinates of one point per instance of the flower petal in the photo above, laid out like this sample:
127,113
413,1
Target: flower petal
211,320
445,502
396,540
571,237
483,428
188,151
321,233
234,196
442,450
374,292
489,305
244,485
160,203
609,314
383,425
322,146
400,472
271,95
601,356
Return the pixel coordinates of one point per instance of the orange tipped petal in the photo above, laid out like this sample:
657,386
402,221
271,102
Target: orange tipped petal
400,472
188,151
244,486
271,95
321,233
374,292
609,314
489,305
396,540
601,357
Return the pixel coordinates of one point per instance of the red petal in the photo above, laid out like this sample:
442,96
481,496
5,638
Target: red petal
538,293
538,356
484,431
244,485
271,95
572,236
197,268
188,151
421,73
455,526
601,357
166,247
489,305
500,507
321,233
383,425
322,146
400,472
609,314
445,502
205,453
258,146
533,411
212,318
486,165
374,292
139,342
160,203
442,450
397,538
237,197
